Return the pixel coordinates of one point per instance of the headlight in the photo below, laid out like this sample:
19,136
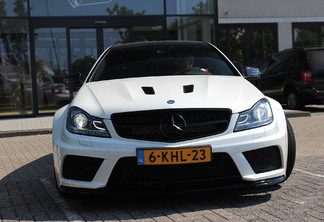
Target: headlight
259,115
80,122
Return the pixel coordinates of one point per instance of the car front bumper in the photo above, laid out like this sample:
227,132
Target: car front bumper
97,157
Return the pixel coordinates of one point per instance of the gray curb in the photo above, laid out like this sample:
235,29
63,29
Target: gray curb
14,133
293,113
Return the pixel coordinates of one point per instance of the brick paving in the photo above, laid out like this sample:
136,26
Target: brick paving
27,191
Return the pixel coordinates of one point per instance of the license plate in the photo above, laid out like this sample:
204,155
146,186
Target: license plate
173,156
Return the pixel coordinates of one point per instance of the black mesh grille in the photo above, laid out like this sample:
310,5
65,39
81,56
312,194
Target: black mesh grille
146,125
128,176
265,159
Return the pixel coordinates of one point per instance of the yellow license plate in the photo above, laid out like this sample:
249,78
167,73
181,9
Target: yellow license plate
173,156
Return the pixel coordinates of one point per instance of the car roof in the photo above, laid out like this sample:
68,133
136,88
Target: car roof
158,43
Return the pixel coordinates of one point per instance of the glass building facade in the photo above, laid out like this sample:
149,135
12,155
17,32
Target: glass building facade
41,41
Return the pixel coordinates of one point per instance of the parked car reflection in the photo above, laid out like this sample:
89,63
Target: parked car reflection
55,93
5,92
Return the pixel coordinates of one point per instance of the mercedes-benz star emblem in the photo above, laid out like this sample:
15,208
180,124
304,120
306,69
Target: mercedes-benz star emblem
171,102
172,126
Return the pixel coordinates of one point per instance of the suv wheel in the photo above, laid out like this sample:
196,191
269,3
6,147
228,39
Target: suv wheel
293,100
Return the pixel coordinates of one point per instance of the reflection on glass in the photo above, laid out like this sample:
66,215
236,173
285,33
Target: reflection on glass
191,28
83,50
261,45
15,82
51,68
182,7
115,36
223,42
237,44
306,37
249,46
95,7
83,3
13,7
322,29
147,33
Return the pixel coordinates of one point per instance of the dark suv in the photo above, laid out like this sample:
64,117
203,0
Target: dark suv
294,77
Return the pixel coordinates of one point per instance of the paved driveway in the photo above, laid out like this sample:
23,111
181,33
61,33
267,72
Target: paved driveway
27,190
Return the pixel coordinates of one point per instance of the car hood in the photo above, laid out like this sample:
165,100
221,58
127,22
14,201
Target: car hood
104,98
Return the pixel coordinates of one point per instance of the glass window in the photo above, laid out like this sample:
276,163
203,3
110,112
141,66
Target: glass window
95,7
155,59
305,37
248,44
114,36
237,44
293,64
223,45
147,33
261,45
13,8
322,29
191,28
264,66
83,50
15,81
315,60
51,68
182,7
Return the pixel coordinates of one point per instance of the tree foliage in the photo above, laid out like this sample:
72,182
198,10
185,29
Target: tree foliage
123,10
306,37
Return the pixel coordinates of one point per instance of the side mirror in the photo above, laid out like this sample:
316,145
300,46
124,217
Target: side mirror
252,71
252,75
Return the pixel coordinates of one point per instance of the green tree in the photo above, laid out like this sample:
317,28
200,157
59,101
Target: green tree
83,66
122,10
149,34
261,45
237,44
203,7
3,11
20,8
14,34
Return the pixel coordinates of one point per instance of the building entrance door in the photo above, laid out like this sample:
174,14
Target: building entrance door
59,51
87,44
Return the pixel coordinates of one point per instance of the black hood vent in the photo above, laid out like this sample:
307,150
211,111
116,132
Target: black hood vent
148,90
188,88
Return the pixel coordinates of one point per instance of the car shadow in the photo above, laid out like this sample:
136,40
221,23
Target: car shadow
310,108
314,108
25,196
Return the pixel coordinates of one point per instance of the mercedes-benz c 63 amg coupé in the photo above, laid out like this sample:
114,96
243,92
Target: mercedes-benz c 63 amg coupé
169,116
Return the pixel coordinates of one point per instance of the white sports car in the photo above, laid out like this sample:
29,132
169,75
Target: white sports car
169,116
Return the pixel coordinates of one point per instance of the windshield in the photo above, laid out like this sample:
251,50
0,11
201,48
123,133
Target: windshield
141,60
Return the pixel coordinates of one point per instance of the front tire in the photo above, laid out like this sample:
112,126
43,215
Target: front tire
291,150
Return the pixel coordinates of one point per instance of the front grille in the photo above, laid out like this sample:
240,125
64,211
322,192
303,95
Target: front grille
127,176
171,125
265,159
